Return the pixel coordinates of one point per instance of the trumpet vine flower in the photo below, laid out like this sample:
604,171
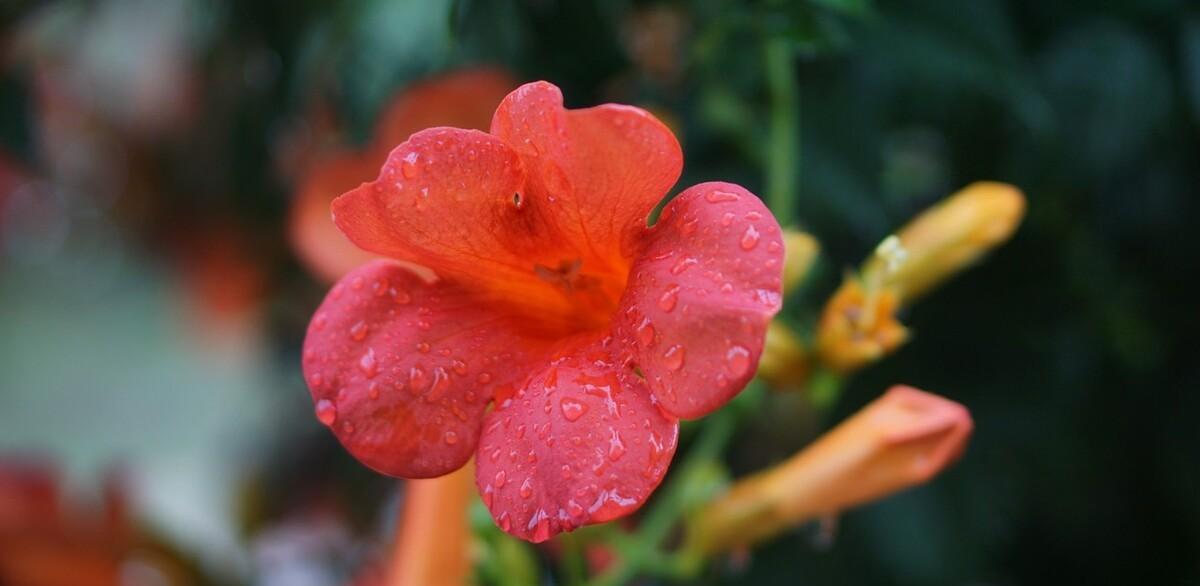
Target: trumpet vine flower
563,337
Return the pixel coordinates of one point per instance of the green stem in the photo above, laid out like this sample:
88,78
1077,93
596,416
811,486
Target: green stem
642,551
783,158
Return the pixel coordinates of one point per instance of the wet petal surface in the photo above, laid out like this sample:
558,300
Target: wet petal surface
700,296
579,443
402,370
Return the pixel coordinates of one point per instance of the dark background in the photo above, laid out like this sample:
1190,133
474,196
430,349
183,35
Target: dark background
1074,346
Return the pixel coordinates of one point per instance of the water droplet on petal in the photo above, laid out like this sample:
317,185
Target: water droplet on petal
526,489
682,265
417,379
484,378
738,360
408,166
669,298
401,297
373,390
616,447
505,523
499,479
645,334
358,331
749,238
459,367
450,438
356,283
727,219
721,196
326,412
673,357
320,321
422,347
441,381
572,408
368,365
316,380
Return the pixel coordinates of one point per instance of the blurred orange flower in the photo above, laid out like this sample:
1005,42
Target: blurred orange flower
434,533
463,99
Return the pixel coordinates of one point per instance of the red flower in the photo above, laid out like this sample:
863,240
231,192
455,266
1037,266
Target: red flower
589,331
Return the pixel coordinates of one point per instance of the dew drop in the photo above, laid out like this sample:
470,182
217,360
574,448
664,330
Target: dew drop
505,523
499,479
326,412
721,196
357,283
669,299
316,380
682,265
459,367
417,379
526,489
616,447
673,357
484,378
320,321
574,509
450,438
441,381
572,408
422,347
749,238
645,334
368,365
358,331
408,166
373,390
727,219
738,360
401,297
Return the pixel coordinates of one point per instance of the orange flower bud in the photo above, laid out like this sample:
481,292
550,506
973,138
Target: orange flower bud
949,237
434,532
858,327
902,439
800,252
784,362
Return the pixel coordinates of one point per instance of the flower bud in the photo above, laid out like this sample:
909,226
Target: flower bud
858,327
949,237
784,363
800,252
901,439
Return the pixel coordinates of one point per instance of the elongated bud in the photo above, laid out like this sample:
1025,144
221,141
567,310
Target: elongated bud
949,237
800,252
858,326
902,439
433,533
784,362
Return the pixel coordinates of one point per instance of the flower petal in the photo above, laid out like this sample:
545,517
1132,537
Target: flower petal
402,369
596,172
700,296
581,442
